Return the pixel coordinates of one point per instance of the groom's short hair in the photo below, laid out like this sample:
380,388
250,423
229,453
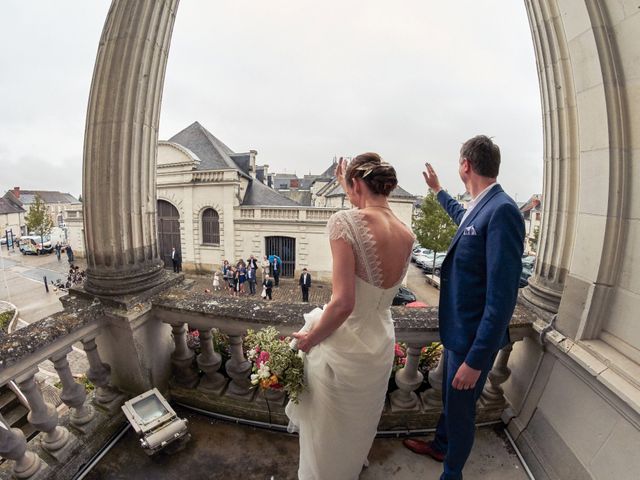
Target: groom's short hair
483,155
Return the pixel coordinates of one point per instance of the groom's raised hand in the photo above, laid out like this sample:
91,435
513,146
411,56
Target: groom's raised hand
431,178
466,378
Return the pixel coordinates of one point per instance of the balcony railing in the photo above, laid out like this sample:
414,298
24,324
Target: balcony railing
201,381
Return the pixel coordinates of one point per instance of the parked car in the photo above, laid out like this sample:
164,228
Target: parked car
430,267
529,262
422,260
33,244
403,297
420,252
524,276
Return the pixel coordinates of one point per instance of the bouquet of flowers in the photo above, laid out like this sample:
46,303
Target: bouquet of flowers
275,365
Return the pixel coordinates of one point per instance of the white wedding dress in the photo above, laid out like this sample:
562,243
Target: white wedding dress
347,374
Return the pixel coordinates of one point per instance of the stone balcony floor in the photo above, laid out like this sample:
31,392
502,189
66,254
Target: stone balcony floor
221,450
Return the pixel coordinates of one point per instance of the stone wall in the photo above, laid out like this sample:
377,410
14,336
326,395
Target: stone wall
576,393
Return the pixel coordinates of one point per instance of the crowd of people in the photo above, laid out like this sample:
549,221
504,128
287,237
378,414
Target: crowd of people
242,278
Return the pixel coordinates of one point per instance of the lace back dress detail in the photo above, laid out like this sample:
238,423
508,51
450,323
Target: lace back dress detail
351,226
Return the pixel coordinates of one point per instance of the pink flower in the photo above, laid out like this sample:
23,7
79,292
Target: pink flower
398,351
263,357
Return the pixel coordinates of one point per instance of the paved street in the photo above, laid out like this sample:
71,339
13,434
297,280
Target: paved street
22,284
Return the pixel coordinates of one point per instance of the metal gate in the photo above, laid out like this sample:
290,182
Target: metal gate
168,231
285,248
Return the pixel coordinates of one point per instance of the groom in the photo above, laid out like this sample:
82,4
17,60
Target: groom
478,292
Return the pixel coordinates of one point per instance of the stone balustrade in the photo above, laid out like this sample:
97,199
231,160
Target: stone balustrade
217,381
226,389
59,440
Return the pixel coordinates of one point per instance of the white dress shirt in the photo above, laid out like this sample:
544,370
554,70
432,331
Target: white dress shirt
474,203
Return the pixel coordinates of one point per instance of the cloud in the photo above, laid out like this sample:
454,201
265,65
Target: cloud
298,81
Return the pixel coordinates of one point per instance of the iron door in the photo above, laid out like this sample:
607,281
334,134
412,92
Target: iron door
285,248
168,231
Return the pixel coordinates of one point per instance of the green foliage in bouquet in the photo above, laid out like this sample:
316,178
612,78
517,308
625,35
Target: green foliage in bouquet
275,365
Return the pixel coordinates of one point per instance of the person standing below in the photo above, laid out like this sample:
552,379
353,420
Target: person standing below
69,252
58,250
478,293
267,283
275,270
265,266
305,284
216,281
252,262
176,260
251,279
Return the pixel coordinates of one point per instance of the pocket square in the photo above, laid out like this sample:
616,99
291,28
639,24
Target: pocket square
469,231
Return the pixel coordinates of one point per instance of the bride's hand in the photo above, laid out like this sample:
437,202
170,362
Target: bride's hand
304,342
341,169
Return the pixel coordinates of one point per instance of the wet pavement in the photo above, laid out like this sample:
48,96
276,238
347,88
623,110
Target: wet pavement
221,450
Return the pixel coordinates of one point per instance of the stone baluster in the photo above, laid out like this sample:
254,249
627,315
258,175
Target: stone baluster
184,374
209,362
408,379
239,369
13,446
106,395
432,398
43,416
493,393
73,394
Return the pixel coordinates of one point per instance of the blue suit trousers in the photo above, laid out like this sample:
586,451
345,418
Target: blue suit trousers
456,427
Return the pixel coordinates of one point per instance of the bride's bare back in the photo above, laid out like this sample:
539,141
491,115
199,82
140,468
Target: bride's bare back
381,243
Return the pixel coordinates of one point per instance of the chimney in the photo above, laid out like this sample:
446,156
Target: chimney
16,191
252,163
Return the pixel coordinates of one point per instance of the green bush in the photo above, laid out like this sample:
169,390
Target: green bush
5,318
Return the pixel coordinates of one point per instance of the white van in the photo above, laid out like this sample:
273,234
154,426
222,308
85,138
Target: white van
32,244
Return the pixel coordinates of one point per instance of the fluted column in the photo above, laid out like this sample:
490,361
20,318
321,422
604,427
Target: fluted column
43,416
184,374
432,398
408,379
561,156
209,361
73,394
121,136
106,395
13,445
239,369
493,394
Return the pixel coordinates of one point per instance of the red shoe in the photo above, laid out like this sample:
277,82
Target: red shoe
423,448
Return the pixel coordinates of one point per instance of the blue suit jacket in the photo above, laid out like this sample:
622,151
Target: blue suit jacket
479,276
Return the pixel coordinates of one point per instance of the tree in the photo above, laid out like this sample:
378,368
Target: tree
38,219
434,228
533,241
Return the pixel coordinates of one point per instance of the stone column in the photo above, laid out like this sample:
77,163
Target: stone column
493,394
408,379
561,156
209,362
44,417
13,446
106,396
182,359
432,398
121,136
239,369
73,394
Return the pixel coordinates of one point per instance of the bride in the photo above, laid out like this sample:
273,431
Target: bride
350,345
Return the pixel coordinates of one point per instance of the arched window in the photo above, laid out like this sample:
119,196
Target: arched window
210,227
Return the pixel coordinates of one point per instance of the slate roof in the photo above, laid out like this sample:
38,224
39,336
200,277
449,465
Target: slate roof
329,172
27,197
258,194
213,154
9,207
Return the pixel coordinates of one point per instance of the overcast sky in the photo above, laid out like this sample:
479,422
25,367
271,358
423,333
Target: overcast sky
299,81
